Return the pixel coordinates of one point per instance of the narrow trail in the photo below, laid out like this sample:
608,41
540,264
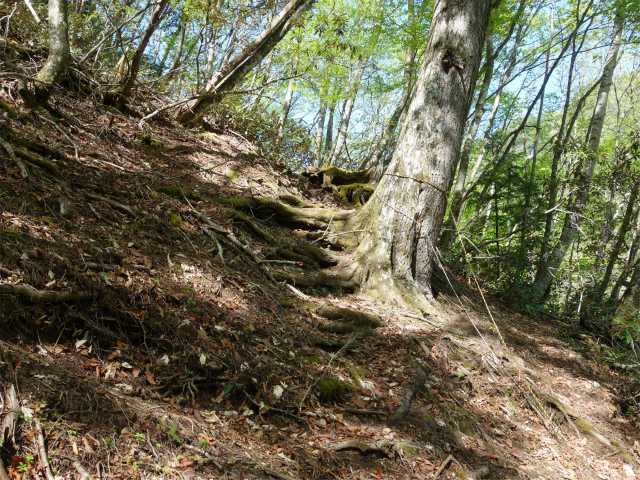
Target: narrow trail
146,323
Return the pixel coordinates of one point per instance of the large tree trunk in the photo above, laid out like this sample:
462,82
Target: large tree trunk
403,218
549,266
234,72
55,68
341,137
456,201
124,90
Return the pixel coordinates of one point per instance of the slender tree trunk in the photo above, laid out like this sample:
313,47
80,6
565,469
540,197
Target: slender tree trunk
55,68
546,271
317,152
125,90
182,30
630,263
375,162
286,106
329,141
403,218
617,245
232,73
341,137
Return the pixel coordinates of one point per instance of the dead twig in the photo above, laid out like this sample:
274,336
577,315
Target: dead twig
442,467
232,239
24,173
41,296
113,203
84,475
3,472
42,450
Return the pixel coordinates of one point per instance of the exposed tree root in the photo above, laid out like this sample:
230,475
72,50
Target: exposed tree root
319,279
298,202
40,296
262,232
319,218
582,424
344,327
353,317
47,165
350,188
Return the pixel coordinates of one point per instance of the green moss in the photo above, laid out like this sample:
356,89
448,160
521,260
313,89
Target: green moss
175,220
231,174
151,145
307,307
408,449
332,390
133,227
287,303
354,194
237,203
177,192
313,360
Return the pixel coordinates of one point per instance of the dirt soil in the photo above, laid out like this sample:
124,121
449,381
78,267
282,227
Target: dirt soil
175,356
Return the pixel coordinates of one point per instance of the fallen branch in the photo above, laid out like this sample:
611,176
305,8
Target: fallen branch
442,467
84,475
24,173
298,293
113,203
408,397
3,472
42,450
41,296
360,411
382,447
11,413
8,273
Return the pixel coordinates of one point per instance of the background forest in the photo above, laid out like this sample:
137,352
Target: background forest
544,206
209,201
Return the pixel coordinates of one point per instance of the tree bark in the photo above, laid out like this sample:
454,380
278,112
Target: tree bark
448,232
549,266
234,72
403,218
55,68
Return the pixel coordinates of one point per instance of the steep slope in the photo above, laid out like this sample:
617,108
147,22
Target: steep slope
142,326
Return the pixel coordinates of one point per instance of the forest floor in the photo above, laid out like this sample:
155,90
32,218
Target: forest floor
149,348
